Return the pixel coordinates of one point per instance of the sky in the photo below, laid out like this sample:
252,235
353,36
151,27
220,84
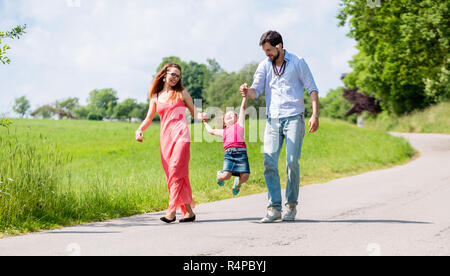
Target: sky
72,47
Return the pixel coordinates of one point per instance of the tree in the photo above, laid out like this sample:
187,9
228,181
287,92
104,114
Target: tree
245,75
361,103
126,109
335,106
438,90
110,110
67,107
171,59
196,77
143,110
94,116
14,33
81,112
223,91
213,66
135,113
45,111
99,99
404,51
21,105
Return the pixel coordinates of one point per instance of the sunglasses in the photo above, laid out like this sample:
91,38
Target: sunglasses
174,75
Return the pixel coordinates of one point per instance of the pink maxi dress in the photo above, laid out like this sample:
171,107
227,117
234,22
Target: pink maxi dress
175,153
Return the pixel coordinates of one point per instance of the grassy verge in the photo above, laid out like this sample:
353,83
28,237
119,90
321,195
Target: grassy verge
60,173
435,119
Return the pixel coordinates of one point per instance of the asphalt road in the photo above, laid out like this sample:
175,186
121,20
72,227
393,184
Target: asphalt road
403,210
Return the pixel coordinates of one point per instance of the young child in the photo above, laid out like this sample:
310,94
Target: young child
236,160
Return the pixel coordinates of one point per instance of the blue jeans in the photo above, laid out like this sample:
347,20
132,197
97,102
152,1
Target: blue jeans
291,129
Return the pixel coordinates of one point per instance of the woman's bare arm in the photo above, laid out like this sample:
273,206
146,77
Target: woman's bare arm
148,119
187,99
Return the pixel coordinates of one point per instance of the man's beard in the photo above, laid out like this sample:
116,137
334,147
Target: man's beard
276,57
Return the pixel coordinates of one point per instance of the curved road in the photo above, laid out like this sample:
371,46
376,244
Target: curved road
403,210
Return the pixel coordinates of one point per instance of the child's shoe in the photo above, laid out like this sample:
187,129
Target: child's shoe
219,182
236,187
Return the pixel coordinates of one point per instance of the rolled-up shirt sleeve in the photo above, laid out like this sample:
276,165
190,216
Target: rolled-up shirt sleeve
306,76
259,80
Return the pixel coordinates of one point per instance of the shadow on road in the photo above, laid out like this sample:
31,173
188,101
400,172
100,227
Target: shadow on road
254,220
360,221
81,232
227,220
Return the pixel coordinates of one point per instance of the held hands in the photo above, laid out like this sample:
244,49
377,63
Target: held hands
204,117
313,122
244,90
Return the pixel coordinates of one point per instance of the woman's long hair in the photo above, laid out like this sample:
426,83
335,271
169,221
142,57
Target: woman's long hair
158,83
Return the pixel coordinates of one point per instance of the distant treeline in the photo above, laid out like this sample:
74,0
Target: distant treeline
208,82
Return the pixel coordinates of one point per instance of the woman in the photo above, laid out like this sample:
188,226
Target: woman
168,97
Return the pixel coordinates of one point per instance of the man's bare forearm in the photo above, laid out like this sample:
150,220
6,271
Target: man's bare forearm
315,102
251,93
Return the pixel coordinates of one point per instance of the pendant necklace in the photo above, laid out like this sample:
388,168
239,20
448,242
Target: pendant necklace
282,69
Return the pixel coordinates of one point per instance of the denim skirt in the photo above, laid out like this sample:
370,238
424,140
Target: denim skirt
236,161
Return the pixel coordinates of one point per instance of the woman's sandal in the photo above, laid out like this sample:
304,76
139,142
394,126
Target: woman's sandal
166,220
236,187
191,219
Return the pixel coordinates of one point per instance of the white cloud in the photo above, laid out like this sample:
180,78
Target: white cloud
69,51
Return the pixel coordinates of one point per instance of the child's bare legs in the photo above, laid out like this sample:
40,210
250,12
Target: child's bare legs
224,176
243,178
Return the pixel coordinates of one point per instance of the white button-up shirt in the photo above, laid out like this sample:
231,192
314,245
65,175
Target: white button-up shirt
284,94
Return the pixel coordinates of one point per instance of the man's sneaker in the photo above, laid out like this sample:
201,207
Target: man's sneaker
272,215
291,212
219,182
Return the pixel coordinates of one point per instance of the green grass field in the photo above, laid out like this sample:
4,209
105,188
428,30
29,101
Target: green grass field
434,119
59,173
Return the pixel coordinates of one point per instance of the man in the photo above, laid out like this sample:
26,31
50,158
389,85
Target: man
283,76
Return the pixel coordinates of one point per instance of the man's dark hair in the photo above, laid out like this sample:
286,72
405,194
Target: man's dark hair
273,37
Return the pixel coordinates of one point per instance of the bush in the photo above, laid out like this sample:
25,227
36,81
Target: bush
81,112
334,105
5,122
95,117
